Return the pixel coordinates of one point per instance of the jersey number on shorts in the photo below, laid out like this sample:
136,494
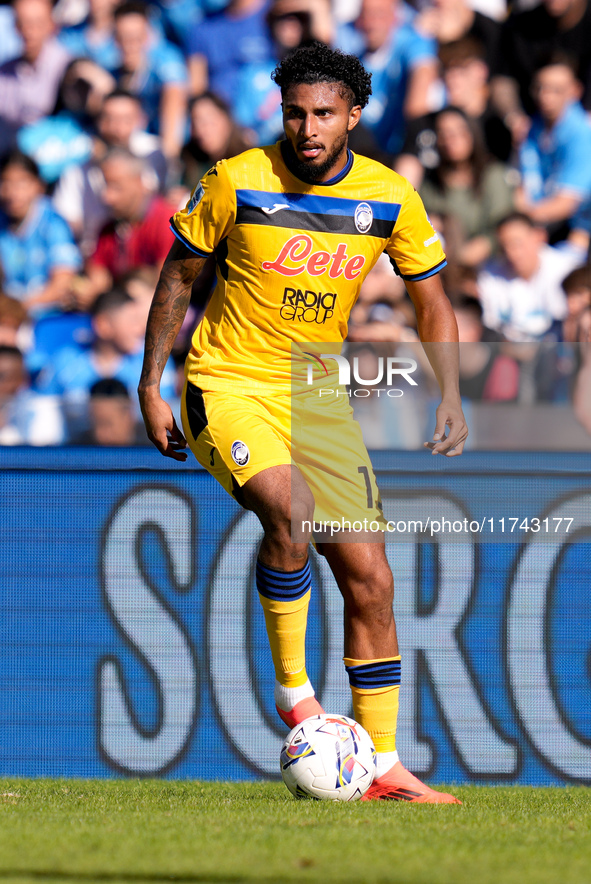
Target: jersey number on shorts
365,473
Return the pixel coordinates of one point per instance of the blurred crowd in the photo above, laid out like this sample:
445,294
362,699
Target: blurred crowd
110,112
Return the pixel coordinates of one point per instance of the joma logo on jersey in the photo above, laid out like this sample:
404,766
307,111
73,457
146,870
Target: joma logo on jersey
307,306
297,256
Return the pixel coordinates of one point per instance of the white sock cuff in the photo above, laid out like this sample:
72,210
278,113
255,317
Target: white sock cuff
286,698
384,761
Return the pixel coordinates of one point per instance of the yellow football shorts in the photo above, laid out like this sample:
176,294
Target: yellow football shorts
236,436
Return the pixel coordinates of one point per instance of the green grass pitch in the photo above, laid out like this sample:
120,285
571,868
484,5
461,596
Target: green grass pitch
230,833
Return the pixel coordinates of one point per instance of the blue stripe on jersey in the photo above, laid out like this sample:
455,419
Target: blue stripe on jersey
186,242
312,204
383,674
426,274
283,586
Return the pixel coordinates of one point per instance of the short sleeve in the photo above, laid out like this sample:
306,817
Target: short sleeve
414,247
62,250
210,213
169,64
574,172
419,49
197,44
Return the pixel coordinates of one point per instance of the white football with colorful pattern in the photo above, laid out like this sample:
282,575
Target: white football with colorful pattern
328,757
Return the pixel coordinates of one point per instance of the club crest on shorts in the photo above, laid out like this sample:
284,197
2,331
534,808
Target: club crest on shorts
240,453
363,217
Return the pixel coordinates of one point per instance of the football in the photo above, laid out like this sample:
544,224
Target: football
328,757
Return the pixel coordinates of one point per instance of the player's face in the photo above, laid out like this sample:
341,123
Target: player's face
317,121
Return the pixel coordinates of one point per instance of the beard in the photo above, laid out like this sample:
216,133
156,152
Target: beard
307,171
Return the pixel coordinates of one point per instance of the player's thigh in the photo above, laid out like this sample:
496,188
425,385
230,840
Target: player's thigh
233,437
328,447
282,500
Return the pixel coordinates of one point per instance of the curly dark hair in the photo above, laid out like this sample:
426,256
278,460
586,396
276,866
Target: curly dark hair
318,63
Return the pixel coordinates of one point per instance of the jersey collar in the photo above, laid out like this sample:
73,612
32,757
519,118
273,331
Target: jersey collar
344,171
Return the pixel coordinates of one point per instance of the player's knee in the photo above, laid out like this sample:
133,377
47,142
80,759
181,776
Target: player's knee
301,517
293,515
288,527
283,502
370,596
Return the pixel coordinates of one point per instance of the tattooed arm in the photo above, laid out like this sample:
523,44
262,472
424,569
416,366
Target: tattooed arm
169,306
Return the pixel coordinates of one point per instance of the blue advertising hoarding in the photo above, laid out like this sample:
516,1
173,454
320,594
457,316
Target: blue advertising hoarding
133,643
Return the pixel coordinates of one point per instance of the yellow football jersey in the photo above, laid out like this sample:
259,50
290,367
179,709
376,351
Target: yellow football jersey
291,258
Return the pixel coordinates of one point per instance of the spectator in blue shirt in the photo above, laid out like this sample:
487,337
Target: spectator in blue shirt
155,72
26,418
94,36
257,104
65,138
221,45
78,196
29,83
554,158
178,17
38,256
403,65
11,44
119,325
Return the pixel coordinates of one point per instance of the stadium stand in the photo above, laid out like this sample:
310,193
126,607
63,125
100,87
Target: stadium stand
118,109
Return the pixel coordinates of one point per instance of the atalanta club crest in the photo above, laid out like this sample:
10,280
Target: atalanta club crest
363,217
240,453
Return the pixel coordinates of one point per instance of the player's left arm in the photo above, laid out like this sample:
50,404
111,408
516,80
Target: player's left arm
167,313
439,333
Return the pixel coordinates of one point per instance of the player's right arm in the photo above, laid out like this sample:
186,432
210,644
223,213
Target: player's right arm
168,310
199,227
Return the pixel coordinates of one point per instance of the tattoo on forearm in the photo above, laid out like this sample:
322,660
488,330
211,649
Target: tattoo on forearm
168,310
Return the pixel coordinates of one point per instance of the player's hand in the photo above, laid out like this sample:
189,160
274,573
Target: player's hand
451,431
161,425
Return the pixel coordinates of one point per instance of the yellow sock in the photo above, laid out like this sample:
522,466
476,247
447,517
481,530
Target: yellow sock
375,686
285,597
286,629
